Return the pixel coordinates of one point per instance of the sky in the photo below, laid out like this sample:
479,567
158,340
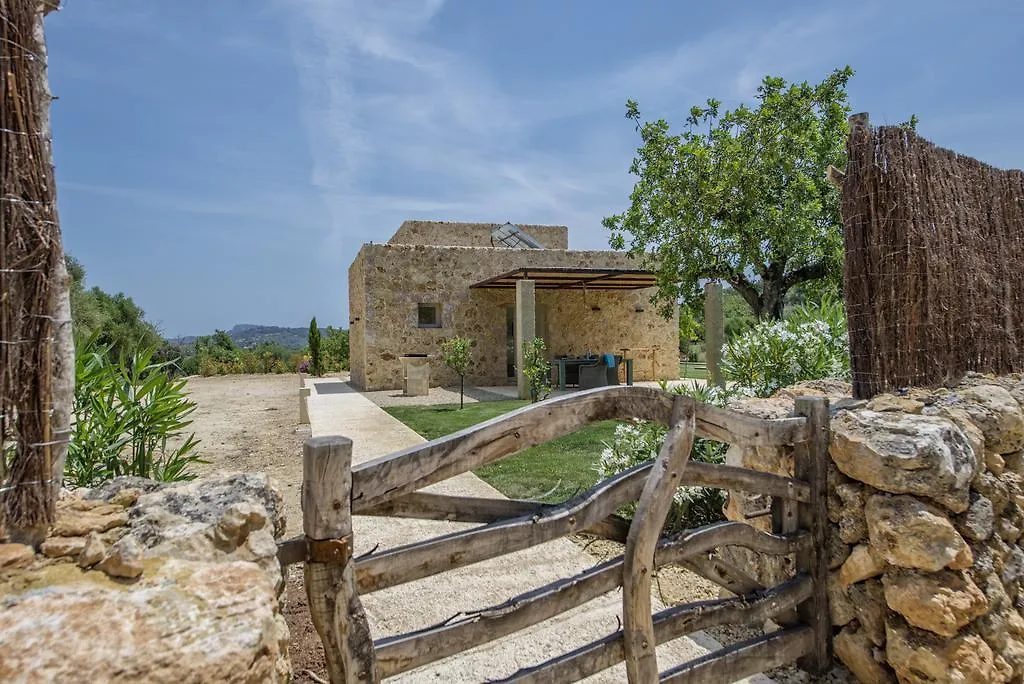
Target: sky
222,161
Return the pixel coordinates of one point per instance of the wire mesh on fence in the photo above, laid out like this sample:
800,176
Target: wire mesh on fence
29,254
934,243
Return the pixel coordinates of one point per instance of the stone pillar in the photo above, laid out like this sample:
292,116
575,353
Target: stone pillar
714,331
526,329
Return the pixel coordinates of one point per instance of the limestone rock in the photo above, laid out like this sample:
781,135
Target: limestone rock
940,602
59,547
868,600
891,402
839,603
838,552
1014,462
223,519
977,523
905,454
997,413
1007,531
856,652
78,518
993,489
995,463
962,420
852,525
909,533
123,560
1013,654
93,551
861,565
126,497
919,657
14,556
183,621
1013,567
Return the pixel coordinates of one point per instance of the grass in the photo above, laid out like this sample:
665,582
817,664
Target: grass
551,472
698,371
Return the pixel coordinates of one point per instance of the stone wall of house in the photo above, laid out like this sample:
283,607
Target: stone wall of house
926,510
356,325
396,278
144,582
460,234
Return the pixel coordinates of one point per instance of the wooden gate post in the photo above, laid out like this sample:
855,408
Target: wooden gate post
810,463
648,521
329,576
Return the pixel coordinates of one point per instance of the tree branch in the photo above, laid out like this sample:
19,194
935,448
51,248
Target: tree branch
812,271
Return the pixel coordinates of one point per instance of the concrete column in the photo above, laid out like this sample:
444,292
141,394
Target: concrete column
526,329
714,331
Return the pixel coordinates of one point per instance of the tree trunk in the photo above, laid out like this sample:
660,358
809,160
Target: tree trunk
462,390
773,299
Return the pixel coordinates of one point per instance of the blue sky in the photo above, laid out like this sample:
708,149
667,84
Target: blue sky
221,161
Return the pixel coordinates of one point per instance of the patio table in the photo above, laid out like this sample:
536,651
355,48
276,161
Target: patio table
579,361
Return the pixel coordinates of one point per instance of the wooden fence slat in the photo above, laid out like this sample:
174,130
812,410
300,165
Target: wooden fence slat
731,427
334,601
648,521
810,463
736,478
379,480
669,624
423,559
407,651
389,477
744,659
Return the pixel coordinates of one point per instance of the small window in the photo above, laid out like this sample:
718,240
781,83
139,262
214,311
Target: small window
428,315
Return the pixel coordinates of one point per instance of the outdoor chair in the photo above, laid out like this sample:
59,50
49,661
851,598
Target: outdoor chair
593,375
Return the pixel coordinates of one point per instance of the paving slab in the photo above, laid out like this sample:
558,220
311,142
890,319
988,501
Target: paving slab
341,410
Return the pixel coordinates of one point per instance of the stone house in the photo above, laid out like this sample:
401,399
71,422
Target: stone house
436,279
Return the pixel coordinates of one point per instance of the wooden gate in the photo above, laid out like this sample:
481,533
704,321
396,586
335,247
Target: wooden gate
333,490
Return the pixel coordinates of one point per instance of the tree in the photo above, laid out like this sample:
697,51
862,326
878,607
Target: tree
536,368
457,355
114,322
314,348
741,196
334,349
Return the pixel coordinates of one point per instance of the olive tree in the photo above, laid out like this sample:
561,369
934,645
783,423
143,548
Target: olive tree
741,196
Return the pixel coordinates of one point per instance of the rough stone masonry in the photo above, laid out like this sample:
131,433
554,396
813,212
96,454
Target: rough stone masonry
143,582
926,509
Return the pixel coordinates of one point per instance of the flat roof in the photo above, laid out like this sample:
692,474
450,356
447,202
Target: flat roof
573,279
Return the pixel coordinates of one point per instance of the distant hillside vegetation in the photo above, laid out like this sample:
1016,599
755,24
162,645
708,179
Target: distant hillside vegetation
246,335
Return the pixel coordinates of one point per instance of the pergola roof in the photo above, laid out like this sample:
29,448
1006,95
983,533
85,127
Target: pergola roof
573,279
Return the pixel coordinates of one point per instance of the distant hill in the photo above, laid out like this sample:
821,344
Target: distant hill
247,335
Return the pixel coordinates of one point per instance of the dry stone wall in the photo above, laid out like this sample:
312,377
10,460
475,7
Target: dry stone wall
926,510
388,281
143,582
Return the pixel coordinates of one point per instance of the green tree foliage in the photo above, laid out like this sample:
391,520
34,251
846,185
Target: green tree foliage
315,361
457,354
537,368
114,322
741,196
334,349
129,419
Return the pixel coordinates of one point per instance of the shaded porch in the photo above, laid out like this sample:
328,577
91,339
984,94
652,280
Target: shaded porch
587,318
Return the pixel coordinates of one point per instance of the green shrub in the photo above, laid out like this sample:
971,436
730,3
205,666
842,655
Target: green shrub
125,413
334,350
810,344
638,441
537,368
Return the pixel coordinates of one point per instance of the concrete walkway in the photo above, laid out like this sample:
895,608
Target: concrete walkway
337,409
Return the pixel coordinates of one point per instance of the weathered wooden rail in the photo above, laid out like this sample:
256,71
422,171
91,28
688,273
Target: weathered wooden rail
333,490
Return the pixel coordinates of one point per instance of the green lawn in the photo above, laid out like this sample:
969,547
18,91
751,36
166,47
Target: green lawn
550,472
697,371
